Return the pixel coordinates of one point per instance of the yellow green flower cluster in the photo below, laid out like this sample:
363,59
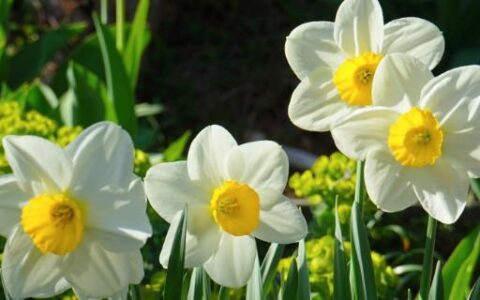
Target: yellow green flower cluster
14,121
320,255
330,176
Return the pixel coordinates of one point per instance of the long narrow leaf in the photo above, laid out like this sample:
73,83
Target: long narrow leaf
223,293
254,286
340,274
174,280
303,275
436,290
195,291
458,270
119,90
475,293
269,266
291,285
361,259
137,41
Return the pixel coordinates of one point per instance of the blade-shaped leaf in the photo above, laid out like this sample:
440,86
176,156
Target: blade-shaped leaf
174,280
340,274
119,90
269,266
475,293
175,150
254,286
199,285
361,257
223,293
303,275
436,289
137,41
291,285
458,270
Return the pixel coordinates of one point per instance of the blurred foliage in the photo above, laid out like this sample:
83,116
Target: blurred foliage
320,264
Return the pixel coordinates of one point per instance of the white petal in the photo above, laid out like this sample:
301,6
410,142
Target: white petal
29,273
398,82
388,183
39,165
97,273
202,239
281,223
169,188
454,98
311,45
12,199
117,217
359,26
442,190
315,103
232,264
102,154
207,155
416,37
261,164
462,149
364,131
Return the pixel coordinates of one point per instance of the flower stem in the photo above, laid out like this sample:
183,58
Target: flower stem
120,9
104,11
428,257
360,185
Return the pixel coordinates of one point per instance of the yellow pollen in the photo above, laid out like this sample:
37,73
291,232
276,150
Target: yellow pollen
235,208
416,139
353,79
54,222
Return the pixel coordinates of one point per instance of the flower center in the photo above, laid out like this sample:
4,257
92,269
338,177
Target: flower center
54,222
416,138
353,79
235,208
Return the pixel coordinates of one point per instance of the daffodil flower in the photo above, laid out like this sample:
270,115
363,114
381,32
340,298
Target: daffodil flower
234,195
421,140
336,62
74,218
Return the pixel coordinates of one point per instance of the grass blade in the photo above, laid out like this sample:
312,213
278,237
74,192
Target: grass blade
303,275
340,274
119,91
361,259
269,266
195,291
174,280
137,42
254,286
436,290
223,293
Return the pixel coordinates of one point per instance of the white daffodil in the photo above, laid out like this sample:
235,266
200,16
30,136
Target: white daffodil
422,142
74,218
234,194
336,62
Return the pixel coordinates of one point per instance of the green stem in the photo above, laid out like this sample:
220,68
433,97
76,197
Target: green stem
428,258
360,193
135,293
475,185
104,11
120,9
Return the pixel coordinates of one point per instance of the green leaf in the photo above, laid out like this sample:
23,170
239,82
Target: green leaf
119,90
175,150
174,280
30,60
458,270
86,101
147,109
361,258
436,289
254,286
137,42
340,274
475,293
291,285
303,276
269,266
223,293
199,285
409,294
